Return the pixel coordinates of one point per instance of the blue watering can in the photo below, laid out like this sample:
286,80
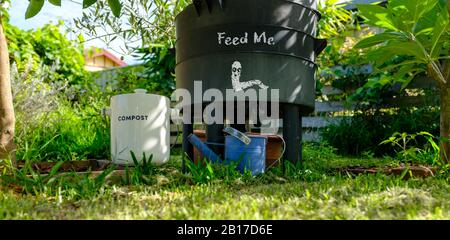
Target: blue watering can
249,150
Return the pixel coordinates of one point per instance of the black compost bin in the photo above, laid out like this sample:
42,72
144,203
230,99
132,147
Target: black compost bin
273,41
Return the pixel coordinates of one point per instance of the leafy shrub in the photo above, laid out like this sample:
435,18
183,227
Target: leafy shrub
406,148
46,46
51,127
69,133
404,145
160,68
365,131
57,119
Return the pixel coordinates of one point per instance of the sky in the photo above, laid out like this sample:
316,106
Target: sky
49,13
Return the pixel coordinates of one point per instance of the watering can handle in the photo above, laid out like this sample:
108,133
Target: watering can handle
282,152
237,134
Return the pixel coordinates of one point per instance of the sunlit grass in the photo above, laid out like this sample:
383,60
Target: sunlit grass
316,195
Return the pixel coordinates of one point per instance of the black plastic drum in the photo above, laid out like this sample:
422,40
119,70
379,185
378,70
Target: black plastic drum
271,42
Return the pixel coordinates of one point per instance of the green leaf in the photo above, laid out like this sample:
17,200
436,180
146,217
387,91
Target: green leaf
406,74
426,133
34,7
133,157
55,2
396,48
100,179
408,12
380,55
88,3
441,29
391,67
379,38
55,168
385,80
402,71
115,7
427,20
377,16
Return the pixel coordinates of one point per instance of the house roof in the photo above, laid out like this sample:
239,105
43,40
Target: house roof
97,52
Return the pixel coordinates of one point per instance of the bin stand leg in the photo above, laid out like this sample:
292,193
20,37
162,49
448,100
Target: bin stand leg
292,133
188,149
214,134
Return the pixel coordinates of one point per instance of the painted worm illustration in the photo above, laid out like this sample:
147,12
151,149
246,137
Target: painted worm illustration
236,69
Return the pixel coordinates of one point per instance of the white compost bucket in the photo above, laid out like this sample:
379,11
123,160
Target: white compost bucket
140,123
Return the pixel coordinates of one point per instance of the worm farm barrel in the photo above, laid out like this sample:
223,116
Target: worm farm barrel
244,44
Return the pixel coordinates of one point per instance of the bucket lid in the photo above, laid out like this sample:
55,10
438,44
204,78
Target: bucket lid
140,91
141,94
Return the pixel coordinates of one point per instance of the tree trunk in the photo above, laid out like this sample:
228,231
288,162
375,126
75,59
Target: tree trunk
445,107
7,118
445,124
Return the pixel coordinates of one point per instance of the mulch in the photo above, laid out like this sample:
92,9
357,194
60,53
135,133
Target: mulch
408,170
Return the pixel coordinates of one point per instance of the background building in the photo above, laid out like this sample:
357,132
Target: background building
97,59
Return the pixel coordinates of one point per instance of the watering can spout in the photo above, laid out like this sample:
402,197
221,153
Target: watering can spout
203,149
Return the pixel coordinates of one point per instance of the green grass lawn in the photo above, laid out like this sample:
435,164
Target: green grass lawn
313,192
366,197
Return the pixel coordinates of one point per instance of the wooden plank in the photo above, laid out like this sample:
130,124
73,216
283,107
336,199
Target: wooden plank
348,70
329,107
329,90
316,122
413,101
324,107
308,122
338,106
309,136
418,82
320,122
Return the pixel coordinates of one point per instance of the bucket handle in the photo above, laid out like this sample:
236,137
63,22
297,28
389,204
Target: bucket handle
238,134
